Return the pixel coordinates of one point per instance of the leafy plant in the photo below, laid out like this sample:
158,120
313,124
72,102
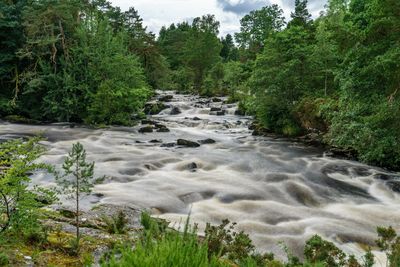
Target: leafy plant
116,224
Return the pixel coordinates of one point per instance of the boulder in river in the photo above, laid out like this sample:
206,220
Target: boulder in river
213,109
162,128
166,98
146,129
207,141
187,143
196,119
149,122
192,166
154,108
216,99
175,111
239,112
168,145
221,113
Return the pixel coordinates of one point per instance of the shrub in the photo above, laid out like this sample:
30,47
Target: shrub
3,259
116,224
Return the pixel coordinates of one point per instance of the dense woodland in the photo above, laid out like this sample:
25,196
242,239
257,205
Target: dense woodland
86,61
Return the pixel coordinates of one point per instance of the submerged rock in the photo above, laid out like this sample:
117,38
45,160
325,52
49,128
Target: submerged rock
168,145
187,143
192,166
207,141
175,111
154,108
166,98
196,119
146,129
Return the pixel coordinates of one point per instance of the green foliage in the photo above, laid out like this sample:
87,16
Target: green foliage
171,248
18,203
389,242
3,259
77,181
116,224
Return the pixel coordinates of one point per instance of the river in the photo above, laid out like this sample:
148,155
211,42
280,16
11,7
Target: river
275,189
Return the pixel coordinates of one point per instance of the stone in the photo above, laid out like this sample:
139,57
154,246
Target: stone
196,119
168,145
162,128
215,109
216,99
207,141
175,111
187,143
240,112
221,113
166,98
148,122
146,129
154,108
155,141
192,167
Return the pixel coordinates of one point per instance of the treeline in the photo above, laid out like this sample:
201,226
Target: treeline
76,61
336,77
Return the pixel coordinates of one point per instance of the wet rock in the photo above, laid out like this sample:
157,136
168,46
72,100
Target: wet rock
148,122
166,98
154,108
155,141
175,111
196,119
187,143
362,172
192,167
214,109
221,113
383,177
333,168
394,186
162,128
147,129
216,99
168,145
240,112
207,141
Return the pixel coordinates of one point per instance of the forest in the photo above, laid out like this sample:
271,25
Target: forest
334,80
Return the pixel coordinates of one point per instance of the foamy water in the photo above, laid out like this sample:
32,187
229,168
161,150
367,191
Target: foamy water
276,190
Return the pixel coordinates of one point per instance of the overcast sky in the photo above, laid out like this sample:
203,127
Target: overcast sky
157,13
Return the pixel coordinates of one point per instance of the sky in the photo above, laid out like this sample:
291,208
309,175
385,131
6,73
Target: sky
157,13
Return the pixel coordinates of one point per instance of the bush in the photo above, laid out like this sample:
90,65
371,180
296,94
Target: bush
116,224
171,249
3,259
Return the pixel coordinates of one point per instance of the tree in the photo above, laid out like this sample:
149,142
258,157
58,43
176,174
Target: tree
257,26
202,48
300,16
19,203
77,180
229,51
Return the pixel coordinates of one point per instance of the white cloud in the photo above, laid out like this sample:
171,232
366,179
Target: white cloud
156,13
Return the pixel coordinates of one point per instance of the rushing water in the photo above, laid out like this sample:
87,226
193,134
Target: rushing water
275,189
